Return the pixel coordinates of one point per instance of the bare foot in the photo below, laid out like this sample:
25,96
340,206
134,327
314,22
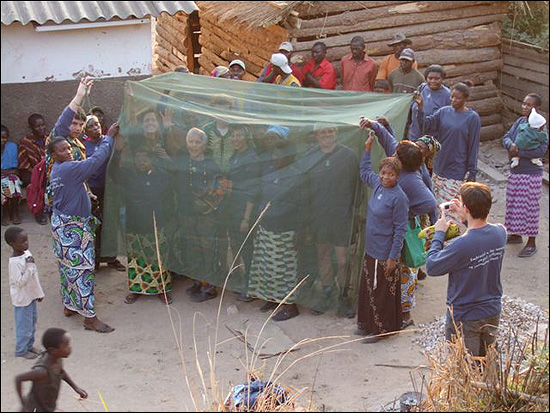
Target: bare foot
68,313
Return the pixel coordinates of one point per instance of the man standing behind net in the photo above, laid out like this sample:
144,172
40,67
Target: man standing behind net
405,79
474,263
358,69
318,72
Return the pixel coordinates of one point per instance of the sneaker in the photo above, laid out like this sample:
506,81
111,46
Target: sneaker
29,355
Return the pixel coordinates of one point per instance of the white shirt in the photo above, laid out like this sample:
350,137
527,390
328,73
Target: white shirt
24,284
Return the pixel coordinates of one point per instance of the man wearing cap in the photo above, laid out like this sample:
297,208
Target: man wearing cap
237,69
391,62
267,75
405,79
358,70
283,71
318,72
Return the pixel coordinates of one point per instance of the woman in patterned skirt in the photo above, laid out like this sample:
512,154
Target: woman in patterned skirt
524,187
274,268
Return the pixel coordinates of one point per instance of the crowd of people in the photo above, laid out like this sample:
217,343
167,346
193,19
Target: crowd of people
228,174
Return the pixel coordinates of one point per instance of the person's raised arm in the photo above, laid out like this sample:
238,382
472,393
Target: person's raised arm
368,176
385,138
441,261
84,87
427,124
83,170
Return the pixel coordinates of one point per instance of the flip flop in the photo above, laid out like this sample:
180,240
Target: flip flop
407,323
527,252
165,299
68,313
103,328
131,298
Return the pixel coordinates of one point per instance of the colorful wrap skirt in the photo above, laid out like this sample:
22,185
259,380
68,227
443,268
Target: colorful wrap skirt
144,274
523,193
73,244
274,268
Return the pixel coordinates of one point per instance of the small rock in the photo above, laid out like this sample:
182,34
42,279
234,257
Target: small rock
232,310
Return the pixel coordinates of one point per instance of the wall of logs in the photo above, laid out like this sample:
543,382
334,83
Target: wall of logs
525,70
464,37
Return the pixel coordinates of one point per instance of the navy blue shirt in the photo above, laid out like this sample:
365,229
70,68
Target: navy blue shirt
420,195
97,180
525,165
387,215
473,262
67,181
433,100
458,133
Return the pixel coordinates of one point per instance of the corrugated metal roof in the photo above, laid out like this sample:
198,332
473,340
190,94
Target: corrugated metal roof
59,11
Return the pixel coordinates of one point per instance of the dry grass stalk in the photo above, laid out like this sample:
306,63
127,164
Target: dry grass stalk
517,381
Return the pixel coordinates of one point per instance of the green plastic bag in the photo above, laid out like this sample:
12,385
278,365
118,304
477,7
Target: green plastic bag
414,253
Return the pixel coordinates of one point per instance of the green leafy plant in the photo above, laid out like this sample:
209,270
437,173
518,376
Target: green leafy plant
527,21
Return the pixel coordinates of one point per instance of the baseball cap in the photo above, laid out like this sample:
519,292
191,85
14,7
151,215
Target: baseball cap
238,62
280,60
399,38
407,54
286,46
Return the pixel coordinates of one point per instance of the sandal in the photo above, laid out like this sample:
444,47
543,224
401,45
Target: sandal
270,305
131,298
288,312
407,323
165,298
16,221
117,265
68,313
103,328
527,252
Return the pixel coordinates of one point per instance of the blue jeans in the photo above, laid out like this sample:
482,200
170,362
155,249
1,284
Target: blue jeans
25,327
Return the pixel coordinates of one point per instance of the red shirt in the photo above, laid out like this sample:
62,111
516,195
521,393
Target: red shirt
325,73
358,76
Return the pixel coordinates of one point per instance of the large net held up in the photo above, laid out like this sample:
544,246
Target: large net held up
206,155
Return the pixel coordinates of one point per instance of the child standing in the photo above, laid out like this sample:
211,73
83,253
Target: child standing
25,291
11,184
530,136
47,373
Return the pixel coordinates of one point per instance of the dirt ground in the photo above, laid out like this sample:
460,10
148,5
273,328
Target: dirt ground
138,368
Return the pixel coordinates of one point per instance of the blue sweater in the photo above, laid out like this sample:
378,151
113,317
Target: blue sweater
97,180
387,215
67,181
473,262
421,197
458,132
9,156
525,166
433,100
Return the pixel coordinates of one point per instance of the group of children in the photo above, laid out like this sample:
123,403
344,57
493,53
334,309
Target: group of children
26,292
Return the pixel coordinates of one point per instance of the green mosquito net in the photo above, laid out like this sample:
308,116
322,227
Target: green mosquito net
250,184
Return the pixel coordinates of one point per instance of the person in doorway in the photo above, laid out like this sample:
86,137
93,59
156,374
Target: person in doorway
11,184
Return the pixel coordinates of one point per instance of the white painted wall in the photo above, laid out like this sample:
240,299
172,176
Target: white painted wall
31,56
